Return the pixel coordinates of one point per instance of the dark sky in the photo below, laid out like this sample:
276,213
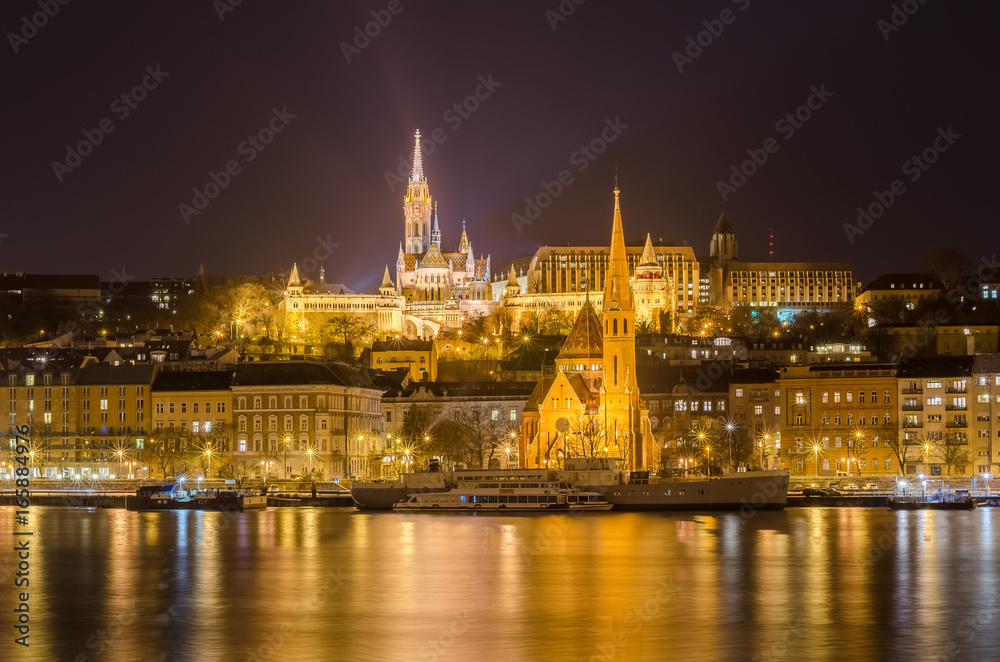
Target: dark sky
324,173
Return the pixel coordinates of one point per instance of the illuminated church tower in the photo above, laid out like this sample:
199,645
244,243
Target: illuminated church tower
623,414
417,205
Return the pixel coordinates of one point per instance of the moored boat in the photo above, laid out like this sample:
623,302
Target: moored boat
509,496
169,497
916,503
746,490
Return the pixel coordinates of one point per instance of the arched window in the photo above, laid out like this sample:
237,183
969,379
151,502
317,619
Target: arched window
614,327
625,327
615,373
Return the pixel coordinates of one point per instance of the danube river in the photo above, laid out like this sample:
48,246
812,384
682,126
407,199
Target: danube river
292,584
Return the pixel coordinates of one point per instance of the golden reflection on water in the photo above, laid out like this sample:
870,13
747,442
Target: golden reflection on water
319,584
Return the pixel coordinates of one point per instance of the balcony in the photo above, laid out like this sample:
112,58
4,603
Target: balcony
910,426
913,391
913,407
955,408
956,424
953,389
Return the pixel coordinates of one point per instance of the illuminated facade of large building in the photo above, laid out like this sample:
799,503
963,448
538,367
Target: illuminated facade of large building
563,278
791,285
432,289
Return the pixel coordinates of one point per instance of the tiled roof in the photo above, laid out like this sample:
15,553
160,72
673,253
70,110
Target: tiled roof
199,380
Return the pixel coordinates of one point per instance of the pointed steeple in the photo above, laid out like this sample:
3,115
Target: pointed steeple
293,278
436,231
463,245
617,290
322,274
513,288
386,288
648,255
418,162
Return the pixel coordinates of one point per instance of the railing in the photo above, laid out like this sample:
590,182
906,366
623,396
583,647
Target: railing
913,407
913,391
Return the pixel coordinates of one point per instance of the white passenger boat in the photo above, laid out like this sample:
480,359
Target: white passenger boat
526,496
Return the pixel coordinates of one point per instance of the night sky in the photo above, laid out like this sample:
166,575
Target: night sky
552,90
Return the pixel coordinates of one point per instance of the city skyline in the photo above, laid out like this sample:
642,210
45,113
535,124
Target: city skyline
874,97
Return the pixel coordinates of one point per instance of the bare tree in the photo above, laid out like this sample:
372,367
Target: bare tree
900,442
342,334
483,432
164,449
239,470
955,454
586,436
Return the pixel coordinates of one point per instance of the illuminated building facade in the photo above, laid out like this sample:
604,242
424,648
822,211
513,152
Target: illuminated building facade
591,407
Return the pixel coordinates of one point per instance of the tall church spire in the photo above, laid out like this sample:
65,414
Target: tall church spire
417,205
418,162
617,290
621,408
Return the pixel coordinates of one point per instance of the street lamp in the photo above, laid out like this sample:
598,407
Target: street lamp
708,452
284,472
730,428
816,453
208,454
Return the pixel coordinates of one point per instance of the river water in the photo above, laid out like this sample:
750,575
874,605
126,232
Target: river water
299,584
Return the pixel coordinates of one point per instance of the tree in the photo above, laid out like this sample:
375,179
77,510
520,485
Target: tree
446,439
483,432
239,471
955,454
949,265
900,442
206,448
341,334
417,423
586,438
163,450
